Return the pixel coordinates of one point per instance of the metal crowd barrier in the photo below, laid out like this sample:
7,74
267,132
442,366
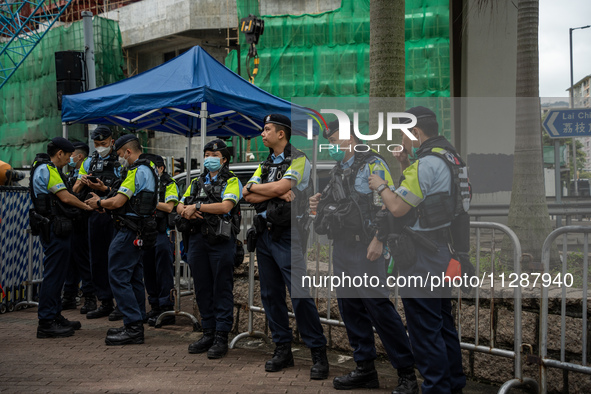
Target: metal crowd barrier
21,254
515,354
247,220
30,282
544,360
176,292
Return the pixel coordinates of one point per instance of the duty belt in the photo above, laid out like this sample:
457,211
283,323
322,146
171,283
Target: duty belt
441,234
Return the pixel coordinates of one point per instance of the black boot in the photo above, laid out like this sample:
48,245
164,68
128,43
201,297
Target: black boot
407,382
155,311
203,344
319,370
116,315
166,320
133,333
62,321
364,376
52,329
282,358
69,301
104,310
220,345
89,304
113,331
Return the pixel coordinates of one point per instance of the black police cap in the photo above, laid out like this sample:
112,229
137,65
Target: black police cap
63,144
79,145
218,145
215,146
420,112
333,127
124,140
278,119
156,159
101,133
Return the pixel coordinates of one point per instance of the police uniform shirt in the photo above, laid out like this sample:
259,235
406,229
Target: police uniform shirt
362,177
232,191
47,179
426,176
138,179
172,193
85,167
298,171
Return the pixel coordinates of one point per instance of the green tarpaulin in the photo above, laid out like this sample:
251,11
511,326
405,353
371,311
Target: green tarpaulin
327,54
28,102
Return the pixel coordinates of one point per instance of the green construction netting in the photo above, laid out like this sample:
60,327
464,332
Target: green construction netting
28,105
327,55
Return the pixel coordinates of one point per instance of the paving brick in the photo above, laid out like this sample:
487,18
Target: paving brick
83,363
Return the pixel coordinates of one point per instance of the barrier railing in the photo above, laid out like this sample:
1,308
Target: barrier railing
544,360
515,354
30,282
247,220
176,292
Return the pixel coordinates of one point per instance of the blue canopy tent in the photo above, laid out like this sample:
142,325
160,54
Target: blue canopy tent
186,95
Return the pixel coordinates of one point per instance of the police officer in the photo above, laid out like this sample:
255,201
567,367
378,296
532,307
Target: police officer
132,208
211,201
79,268
428,188
345,212
283,177
105,170
158,261
53,208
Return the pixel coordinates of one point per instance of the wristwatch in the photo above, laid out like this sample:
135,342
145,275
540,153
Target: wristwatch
381,188
248,186
198,206
98,203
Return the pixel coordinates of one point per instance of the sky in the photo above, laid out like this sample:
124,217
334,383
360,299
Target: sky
556,17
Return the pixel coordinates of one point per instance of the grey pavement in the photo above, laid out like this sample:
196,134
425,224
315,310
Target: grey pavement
83,363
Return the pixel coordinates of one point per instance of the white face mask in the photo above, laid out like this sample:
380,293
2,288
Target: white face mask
123,162
103,150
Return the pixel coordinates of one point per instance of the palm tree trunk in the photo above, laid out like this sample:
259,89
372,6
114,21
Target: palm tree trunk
528,213
386,67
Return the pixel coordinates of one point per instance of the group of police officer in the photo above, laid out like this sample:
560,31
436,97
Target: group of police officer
106,253
360,210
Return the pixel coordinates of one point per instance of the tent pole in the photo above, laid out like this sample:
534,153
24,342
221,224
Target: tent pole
188,176
314,161
203,116
89,62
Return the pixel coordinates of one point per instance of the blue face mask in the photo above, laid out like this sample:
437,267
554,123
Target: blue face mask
413,155
212,163
72,163
335,153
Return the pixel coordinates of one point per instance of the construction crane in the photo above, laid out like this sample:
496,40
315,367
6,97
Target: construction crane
22,25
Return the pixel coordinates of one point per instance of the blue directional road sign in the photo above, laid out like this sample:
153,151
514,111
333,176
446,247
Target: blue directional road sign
568,123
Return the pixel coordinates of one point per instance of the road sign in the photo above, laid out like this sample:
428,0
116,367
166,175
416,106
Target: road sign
568,123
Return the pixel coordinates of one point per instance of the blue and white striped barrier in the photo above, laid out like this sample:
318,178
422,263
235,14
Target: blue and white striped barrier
14,249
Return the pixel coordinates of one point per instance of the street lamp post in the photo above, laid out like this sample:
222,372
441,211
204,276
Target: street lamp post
572,101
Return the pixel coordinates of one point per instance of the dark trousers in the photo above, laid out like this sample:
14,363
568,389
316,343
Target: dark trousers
126,273
431,327
159,271
100,235
212,267
277,260
364,307
56,254
79,267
